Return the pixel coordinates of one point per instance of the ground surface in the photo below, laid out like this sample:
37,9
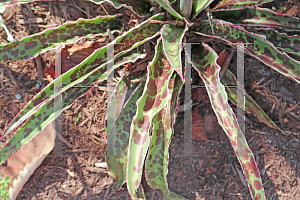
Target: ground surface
212,172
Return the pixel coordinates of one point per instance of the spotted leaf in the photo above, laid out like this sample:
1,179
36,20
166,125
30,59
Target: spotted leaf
255,45
89,68
171,38
237,4
259,17
204,62
282,41
45,114
250,105
158,156
140,7
118,137
52,38
154,98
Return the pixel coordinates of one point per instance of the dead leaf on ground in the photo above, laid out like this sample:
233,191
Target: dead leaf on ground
210,170
198,131
23,163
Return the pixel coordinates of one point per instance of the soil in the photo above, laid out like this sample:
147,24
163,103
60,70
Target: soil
210,172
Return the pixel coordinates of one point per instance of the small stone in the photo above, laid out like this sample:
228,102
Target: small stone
18,96
285,120
38,84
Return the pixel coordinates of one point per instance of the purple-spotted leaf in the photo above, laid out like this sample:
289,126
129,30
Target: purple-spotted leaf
250,105
118,137
166,5
259,17
237,4
83,73
45,113
171,38
141,7
204,62
158,156
52,38
282,41
154,98
255,45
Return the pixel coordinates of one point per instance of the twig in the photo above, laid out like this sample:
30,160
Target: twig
294,115
11,76
1,77
291,109
78,150
23,71
104,9
66,142
112,192
89,16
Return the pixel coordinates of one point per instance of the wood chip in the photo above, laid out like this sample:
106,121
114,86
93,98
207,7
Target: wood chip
292,11
32,20
96,170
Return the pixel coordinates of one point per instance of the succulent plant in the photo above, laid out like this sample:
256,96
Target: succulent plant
141,115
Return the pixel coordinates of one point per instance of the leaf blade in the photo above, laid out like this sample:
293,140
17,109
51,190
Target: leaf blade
32,46
152,101
204,62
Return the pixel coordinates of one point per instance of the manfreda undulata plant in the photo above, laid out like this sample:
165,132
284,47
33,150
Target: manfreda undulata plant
140,128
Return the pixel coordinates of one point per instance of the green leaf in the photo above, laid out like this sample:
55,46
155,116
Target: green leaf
166,5
174,196
141,7
255,45
158,156
199,6
118,136
8,179
52,38
282,41
152,101
41,108
204,62
250,105
87,71
45,114
237,4
172,37
78,117
185,7
259,17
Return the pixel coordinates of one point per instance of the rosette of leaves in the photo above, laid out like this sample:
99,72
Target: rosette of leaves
141,115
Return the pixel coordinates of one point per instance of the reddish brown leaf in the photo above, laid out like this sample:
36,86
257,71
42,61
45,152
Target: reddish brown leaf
198,131
199,95
210,170
72,55
222,58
